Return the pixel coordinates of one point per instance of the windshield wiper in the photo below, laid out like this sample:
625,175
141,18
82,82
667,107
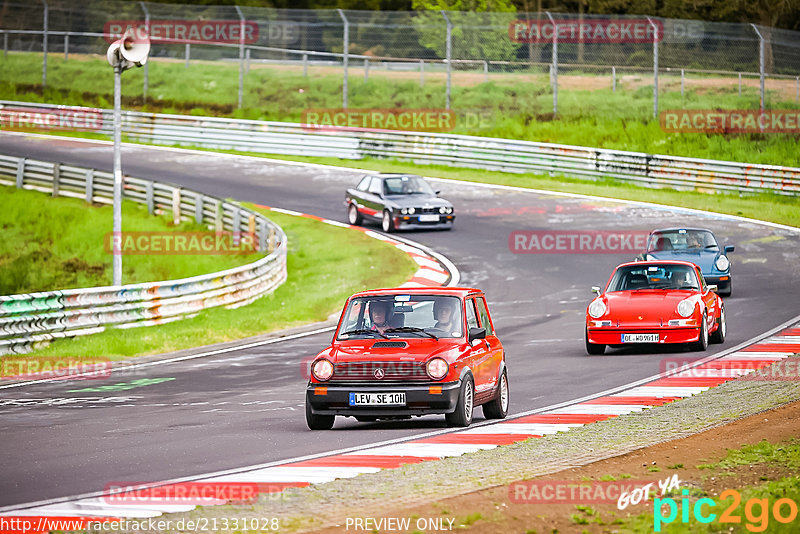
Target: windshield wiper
363,331
413,329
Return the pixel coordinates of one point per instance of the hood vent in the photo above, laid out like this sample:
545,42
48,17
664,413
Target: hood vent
390,345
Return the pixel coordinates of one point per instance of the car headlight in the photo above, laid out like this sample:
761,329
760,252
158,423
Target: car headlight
686,307
449,210
597,308
437,368
322,370
723,263
443,210
411,211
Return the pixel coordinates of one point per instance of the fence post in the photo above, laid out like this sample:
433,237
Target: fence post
146,65
247,61
421,73
345,55
44,44
176,206
797,89
681,83
237,223
5,45
761,63
485,71
740,84
198,208
20,172
613,79
366,70
655,68
241,55
448,55
305,65
90,186
148,198
66,47
188,54
262,235
56,178
554,80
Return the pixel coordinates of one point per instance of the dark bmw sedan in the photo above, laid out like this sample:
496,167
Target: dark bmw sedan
398,202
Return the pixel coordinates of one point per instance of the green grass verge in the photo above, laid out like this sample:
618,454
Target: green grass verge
755,509
516,106
58,243
775,208
326,264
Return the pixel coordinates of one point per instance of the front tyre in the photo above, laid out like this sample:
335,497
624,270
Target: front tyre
702,344
594,349
462,416
387,224
498,407
318,422
353,216
722,330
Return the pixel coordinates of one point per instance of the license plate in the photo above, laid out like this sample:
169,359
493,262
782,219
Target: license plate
428,218
378,399
640,338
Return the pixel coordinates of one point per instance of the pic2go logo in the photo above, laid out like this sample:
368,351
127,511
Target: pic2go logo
756,511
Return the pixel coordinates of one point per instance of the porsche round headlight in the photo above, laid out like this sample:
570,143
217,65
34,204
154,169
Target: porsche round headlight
449,210
411,211
443,210
686,307
403,211
723,263
437,368
597,308
322,370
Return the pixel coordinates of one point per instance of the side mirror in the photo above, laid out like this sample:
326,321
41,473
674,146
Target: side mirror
596,290
713,287
476,333
729,248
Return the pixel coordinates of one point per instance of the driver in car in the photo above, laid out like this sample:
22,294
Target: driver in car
379,313
444,311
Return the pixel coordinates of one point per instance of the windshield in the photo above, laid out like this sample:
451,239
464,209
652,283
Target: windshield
649,276
406,316
406,185
681,240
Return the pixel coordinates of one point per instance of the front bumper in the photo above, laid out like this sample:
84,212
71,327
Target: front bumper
666,335
412,222
333,399
723,282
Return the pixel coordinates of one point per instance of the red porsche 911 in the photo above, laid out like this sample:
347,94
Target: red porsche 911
655,302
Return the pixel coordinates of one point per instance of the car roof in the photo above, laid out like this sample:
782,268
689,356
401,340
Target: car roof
656,262
676,228
446,291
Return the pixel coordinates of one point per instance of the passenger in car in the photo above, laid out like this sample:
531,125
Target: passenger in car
445,314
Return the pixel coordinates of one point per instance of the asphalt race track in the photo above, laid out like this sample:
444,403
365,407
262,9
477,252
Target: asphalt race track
246,407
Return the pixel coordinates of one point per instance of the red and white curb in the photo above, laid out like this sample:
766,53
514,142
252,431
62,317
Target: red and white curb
684,382
434,269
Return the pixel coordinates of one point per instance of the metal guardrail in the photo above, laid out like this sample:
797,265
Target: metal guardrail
427,148
31,320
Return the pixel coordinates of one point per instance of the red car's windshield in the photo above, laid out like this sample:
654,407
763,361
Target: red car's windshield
392,316
649,276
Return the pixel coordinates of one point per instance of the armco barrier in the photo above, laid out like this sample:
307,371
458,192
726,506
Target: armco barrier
427,148
29,320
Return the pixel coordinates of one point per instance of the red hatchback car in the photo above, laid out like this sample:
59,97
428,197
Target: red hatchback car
404,352
655,302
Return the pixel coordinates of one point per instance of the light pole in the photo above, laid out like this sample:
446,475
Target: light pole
128,51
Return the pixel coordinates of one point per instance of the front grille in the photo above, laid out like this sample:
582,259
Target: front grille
391,371
427,210
390,345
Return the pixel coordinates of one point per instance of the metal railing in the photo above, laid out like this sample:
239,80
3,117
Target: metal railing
28,321
434,148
